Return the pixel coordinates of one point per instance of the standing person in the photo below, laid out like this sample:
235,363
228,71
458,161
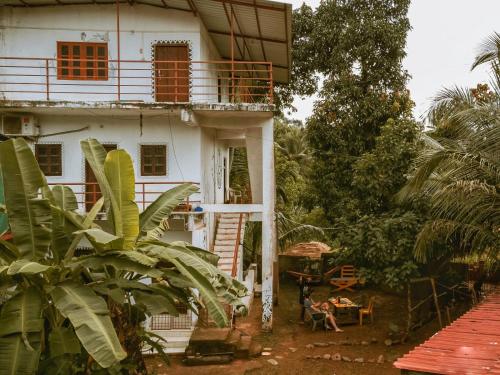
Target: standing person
304,288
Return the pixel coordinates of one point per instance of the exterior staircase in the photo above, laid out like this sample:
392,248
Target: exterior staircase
226,239
211,345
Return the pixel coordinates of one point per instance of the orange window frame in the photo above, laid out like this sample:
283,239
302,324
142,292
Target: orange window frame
82,61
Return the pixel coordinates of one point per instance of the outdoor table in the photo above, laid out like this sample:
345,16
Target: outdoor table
345,311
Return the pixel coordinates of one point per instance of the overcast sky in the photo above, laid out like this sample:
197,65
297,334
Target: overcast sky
440,47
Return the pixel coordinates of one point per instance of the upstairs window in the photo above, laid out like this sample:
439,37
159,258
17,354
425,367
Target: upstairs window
153,160
49,157
82,61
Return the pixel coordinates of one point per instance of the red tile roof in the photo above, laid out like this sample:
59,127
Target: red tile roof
468,346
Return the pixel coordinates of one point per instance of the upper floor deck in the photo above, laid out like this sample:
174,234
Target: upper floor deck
168,51
148,81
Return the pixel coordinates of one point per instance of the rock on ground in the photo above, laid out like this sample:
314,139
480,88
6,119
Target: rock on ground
321,344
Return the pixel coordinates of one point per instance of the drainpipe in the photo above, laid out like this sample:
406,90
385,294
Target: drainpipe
118,45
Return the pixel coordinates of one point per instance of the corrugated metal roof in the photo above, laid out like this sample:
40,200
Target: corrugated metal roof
470,345
262,28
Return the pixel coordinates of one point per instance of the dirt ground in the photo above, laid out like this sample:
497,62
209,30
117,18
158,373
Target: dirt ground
289,340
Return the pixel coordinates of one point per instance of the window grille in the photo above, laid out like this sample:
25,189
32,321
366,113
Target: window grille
49,157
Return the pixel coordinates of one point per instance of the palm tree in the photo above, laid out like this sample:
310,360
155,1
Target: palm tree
293,144
458,168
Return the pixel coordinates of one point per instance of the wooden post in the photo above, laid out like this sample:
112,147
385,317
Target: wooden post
409,309
436,302
271,83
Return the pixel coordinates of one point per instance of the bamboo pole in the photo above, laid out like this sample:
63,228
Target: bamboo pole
436,302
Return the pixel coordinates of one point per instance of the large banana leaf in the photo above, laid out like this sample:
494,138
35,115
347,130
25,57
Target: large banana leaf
151,218
225,287
177,250
155,304
8,252
65,198
62,228
101,240
205,277
211,258
29,216
16,358
89,315
87,223
122,261
21,325
95,154
119,171
26,267
62,340
207,292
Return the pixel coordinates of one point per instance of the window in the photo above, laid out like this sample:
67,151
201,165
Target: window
153,160
84,61
165,321
49,157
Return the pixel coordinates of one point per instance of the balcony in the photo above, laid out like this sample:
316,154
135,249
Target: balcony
135,81
87,193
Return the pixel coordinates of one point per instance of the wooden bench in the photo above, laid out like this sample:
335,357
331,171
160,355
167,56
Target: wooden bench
348,278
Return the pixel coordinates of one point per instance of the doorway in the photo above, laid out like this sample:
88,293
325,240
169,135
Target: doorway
171,73
92,190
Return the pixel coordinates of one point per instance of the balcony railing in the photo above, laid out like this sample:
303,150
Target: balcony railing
87,193
40,79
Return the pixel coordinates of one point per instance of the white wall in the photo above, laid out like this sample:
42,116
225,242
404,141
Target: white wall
182,165
213,152
33,32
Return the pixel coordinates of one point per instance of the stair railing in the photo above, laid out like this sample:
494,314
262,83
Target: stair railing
237,247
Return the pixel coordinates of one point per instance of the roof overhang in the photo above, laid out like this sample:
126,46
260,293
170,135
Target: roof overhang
261,28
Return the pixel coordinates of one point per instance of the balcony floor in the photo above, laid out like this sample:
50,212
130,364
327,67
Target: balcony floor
118,106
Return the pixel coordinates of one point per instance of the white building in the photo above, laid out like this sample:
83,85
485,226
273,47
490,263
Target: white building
176,83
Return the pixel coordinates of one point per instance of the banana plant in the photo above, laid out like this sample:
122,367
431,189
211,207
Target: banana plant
67,313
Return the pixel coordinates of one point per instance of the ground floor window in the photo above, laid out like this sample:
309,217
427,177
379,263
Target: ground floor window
49,157
166,322
153,160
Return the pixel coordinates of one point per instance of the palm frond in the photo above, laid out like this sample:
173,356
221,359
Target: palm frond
459,173
489,51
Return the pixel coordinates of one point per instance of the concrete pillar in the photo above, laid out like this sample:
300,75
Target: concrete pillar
268,225
253,140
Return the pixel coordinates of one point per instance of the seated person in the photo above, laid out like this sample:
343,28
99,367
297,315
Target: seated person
318,307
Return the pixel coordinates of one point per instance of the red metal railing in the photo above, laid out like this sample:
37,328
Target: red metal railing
26,78
87,193
234,270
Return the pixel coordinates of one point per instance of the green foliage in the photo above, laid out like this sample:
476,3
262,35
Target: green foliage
382,247
362,135
65,313
239,176
458,170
